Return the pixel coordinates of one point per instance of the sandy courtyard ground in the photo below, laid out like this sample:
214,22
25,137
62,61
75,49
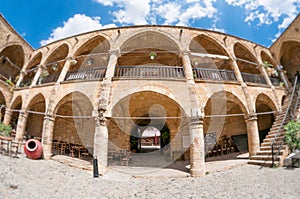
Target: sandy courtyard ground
25,178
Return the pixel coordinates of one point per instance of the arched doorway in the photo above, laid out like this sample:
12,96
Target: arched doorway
74,126
2,106
146,137
264,104
34,126
147,112
224,125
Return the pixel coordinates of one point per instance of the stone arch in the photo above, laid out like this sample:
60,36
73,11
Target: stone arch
142,109
31,69
290,57
93,53
264,103
242,52
34,126
12,59
16,107
266,57
141,44
225,128
154,87
2,106
54,63
206,45
74,123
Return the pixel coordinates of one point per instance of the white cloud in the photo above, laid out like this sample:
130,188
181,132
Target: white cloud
170,12
75,25
130,12
268,11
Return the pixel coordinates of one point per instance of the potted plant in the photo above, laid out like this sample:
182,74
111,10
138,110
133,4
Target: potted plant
5,130
152,55
271,71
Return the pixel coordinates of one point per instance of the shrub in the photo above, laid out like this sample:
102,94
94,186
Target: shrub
292,135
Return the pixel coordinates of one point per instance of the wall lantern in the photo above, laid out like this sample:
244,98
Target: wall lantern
54,67
152,55
73,62
90,61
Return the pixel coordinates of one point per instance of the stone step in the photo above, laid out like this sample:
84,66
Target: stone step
273,135
269,148
268,152
266,140
264,157
263,163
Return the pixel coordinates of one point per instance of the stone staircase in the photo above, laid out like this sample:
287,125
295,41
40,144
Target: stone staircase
264,155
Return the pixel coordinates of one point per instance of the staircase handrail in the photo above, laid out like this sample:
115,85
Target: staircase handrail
274,156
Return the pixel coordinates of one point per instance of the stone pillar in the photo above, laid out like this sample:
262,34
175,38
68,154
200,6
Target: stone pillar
197,149
70,61
47,137
22,75
253,134
22,120
187,67
283,77
236,70
101,144
37,75
197,153
7,117
113,58
265,74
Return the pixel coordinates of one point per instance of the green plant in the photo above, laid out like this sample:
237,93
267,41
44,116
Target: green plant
165,137
5,130
271,71
292,134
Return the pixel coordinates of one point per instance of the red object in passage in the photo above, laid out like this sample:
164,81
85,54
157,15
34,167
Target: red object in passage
33,149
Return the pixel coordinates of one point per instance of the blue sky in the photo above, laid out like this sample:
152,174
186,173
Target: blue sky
41,21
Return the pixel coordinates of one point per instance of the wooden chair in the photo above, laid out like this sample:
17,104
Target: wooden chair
125,160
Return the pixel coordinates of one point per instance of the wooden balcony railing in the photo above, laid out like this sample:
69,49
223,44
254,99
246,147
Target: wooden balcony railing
252,78
26,83
159,72
275,81
48,79
214,74
86,74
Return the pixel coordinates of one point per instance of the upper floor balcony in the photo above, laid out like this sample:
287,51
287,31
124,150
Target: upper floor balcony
153,72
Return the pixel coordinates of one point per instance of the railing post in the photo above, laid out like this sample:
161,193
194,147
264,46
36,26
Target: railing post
272,151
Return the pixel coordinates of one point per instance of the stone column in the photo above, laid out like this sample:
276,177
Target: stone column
265,74
7,117
22,120
197,149
197,153
253,134
283,77
187,67
47,136
70,61
113,58
22,75
37,75
101,144
236,70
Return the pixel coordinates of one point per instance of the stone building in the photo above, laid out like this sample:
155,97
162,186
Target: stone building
102,89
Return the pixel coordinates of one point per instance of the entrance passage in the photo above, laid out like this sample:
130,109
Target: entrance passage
149,136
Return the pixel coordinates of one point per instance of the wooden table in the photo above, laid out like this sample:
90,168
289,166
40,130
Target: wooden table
9,140
296,159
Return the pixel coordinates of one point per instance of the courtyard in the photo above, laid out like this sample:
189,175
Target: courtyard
25,178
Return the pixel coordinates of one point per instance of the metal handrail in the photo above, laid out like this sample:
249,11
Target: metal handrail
214,74
149,72
274,156
253,78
